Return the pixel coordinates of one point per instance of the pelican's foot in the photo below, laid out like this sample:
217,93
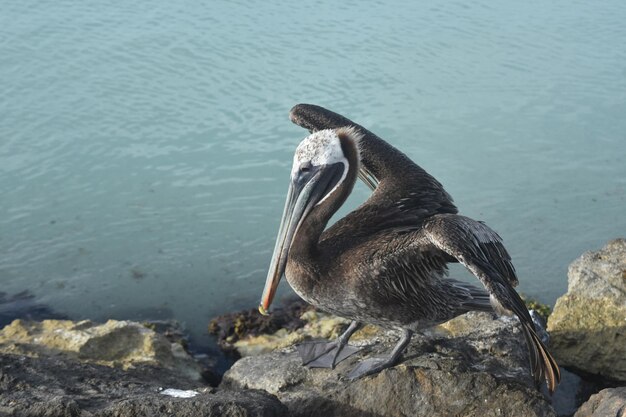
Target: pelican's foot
324,354
371,366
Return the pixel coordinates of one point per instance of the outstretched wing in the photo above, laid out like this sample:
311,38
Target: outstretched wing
481,251
396,180
477,247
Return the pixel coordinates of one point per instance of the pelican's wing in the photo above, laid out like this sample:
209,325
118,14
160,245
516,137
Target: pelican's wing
386,170
473,244
481,251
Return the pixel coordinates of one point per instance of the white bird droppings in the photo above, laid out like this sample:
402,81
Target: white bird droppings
179,393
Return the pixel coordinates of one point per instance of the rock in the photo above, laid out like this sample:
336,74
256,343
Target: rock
588,324
233,327
471,366
64,387
121,344
573,392
540,326
248,333
610,402
317,325
171,329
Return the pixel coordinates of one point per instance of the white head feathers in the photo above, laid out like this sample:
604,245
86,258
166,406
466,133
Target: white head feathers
323,148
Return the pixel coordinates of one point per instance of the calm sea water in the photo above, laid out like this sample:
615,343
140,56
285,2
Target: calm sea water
145,147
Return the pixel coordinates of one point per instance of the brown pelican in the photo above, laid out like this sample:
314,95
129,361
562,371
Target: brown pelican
385,262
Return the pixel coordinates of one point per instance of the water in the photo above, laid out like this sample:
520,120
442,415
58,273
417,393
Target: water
145,147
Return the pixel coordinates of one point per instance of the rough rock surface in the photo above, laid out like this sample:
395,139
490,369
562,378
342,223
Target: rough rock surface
328,328
234,329
573,391
64,387
610,402
588,324
471,366
115,343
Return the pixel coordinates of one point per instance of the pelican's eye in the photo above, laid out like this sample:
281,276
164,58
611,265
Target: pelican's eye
306,167
303,173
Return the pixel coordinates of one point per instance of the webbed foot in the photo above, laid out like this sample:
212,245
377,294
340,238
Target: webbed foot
324,354
328,354
373,365
369,367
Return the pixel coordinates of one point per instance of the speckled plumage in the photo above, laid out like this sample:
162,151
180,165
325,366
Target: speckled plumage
385,262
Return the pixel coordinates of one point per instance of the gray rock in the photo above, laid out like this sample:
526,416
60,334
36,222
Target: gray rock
61,386
573,392
588,324
610,402
471,366
540,326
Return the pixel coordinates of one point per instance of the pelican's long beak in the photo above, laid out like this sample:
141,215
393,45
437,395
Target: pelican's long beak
305,191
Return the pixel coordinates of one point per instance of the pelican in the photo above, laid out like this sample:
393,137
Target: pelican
385,263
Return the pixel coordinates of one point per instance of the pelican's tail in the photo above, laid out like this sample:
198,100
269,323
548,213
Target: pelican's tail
542,364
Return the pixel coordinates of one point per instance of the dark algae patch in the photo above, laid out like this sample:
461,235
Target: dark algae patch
231,327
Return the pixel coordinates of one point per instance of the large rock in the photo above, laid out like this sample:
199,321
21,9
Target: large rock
472,366
610,402
60,386
115,343
588,325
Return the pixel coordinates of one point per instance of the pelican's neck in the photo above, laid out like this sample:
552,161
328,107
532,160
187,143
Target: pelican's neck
304,247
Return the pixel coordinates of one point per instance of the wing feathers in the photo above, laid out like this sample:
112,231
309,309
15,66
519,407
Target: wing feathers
480,250
387,171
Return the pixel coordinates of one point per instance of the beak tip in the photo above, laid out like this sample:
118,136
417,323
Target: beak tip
263,311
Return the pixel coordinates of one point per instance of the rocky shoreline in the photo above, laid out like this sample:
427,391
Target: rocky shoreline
474,365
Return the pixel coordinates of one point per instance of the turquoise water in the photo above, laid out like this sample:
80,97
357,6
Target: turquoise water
145,147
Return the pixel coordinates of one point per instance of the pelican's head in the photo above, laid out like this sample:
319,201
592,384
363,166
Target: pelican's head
320,166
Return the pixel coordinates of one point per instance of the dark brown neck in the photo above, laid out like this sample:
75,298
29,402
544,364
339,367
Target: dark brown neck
304,247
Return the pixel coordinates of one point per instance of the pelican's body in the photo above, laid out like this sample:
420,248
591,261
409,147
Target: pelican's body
366,279
385,262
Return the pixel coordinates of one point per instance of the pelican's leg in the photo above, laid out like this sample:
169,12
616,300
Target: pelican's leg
328,354
374,365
